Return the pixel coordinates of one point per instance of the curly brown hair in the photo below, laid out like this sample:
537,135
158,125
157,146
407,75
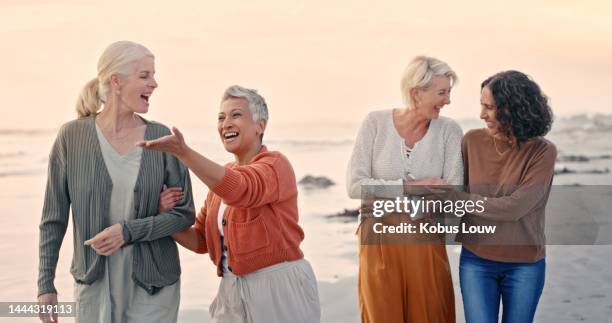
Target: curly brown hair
522,108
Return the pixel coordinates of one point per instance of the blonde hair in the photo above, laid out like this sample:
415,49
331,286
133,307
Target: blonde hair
420,72
118,58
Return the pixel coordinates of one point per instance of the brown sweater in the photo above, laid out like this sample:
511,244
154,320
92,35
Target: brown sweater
516,182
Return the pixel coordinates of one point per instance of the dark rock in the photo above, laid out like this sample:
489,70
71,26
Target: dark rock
353,213
581,158
310,182
573,159
566,170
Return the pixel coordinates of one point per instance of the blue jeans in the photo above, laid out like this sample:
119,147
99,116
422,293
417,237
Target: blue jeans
485,282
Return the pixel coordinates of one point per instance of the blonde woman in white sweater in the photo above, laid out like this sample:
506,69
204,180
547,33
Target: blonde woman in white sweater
395,150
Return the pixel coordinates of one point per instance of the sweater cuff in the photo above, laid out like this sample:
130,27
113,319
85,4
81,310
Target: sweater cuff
127,237
47,289
226,188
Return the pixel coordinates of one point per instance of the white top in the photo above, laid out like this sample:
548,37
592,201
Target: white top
224,264
379,157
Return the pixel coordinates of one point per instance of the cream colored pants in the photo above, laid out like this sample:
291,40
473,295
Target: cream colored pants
285,292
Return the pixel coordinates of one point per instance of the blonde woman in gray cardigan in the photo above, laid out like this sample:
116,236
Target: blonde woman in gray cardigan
125,264
395,150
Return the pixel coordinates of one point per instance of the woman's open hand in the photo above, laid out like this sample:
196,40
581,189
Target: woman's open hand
174,143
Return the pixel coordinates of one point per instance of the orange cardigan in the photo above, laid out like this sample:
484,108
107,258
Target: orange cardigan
260,222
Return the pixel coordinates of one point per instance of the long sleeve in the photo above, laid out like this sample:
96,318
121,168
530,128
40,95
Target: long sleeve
453,161
266,180
528,195
178,218
359,171
54,219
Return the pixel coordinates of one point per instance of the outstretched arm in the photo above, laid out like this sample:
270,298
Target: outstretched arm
206,170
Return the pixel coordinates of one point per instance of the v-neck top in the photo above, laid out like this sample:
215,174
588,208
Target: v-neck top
123,171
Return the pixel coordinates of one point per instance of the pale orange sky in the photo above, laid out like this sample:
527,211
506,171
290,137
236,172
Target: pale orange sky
330,61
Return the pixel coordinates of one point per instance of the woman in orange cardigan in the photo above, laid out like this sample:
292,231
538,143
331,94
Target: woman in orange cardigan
249,222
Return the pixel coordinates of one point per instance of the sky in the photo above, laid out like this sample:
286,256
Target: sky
316,62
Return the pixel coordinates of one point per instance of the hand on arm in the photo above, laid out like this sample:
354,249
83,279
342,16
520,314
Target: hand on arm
174,217
169,197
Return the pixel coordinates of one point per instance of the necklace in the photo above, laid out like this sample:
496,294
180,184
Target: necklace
497,149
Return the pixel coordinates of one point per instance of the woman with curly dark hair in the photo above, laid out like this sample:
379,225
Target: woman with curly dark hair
510,166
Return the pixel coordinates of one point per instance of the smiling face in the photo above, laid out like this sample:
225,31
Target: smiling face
136,88
430,101
488,110
239,133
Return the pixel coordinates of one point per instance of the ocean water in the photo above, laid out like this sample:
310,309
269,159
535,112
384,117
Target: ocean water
321,150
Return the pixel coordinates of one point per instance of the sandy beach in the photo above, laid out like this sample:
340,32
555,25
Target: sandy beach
578,280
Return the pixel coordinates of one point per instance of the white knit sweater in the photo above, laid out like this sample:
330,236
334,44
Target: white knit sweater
379,157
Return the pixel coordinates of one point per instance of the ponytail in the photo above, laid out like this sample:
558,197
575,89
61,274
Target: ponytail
89,101
118,58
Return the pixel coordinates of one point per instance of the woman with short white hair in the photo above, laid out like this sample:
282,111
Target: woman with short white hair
249,222
395,151
126,264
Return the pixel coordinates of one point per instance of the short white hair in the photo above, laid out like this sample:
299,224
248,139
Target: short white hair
420,72
257,104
